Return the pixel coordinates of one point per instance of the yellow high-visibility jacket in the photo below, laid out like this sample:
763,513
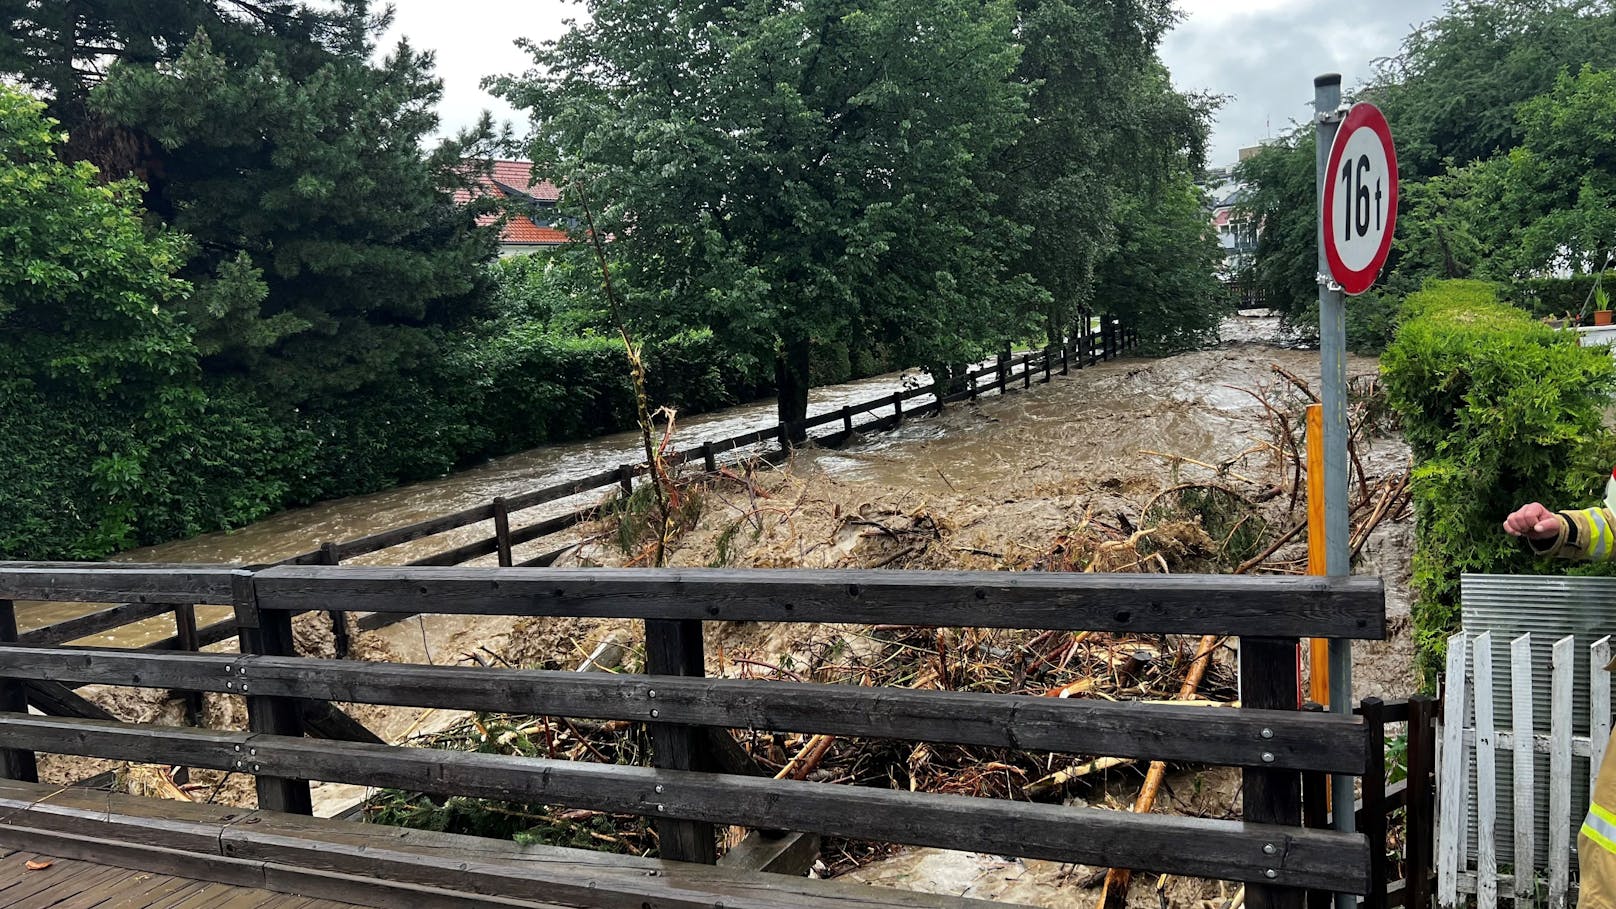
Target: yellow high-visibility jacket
1590,534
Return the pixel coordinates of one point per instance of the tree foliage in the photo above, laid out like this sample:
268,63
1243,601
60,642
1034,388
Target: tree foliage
1451,93
1503,115
87,291
1161,276
1103,125
326,247
1499,410
786,175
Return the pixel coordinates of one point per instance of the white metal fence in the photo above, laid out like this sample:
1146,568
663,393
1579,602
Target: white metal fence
1501,757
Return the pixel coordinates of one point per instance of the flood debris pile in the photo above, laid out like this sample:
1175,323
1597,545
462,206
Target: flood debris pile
1241,513
1041,664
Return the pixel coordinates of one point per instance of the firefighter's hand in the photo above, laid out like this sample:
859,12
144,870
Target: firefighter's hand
1533,522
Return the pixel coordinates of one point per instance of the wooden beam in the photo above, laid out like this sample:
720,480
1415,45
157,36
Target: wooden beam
287,790
1269,680
773,852
1302,741
472,867
1227,850
1176,604
15,763
53,699
115,583
93,623
675,649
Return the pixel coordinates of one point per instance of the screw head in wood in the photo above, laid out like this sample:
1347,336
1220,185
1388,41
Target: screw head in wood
1267,757
660,808
255,768
231,686
1270,874
659,789
1269,849
1268,733
651,693
655,713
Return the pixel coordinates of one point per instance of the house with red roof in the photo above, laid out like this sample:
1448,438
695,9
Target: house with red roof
533,222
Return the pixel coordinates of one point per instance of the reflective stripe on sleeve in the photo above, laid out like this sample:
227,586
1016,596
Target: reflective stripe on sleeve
1600,546
1600,827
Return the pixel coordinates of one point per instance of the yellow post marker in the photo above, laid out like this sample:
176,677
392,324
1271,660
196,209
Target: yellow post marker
1318,648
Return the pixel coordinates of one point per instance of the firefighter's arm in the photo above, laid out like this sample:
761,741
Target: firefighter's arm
1583,534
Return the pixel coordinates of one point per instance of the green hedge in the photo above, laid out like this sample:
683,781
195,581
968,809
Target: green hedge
1499,410
86,476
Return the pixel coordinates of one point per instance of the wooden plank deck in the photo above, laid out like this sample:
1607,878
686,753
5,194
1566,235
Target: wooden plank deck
76,884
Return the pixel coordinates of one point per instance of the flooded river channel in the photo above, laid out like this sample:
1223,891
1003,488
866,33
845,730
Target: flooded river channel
1096,423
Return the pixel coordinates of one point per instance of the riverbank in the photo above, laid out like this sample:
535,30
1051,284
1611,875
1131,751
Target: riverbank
1056,478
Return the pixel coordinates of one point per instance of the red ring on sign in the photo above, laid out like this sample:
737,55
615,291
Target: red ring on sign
1361,116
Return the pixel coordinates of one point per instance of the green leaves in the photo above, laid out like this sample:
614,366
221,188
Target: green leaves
1499,411
88,296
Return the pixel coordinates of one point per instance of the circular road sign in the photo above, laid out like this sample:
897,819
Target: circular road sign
1360,199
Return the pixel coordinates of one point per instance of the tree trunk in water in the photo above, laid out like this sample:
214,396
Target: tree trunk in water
791,376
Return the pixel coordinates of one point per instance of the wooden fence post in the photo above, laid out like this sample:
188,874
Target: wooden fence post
502,531
1066,358
1420,815
1372,821
1004,369
625,479
897,407
674,647
783,433
1268,680
1026,370
847,419
709,460
339,619
268,633
15,764
185,634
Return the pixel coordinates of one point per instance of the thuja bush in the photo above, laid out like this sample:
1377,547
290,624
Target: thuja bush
1499,410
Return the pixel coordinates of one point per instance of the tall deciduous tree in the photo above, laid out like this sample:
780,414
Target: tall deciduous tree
788,174
1451,93
1104,124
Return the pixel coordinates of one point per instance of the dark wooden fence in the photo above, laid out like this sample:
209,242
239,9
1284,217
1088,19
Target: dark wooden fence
507,531
691,786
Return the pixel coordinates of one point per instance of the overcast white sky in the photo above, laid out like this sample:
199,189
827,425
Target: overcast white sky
1262,53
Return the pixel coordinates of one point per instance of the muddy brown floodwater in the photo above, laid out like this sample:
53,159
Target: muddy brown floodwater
993,484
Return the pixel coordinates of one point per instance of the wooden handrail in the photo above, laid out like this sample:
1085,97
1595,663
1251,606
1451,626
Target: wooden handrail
1169,604
1272,739
1222,849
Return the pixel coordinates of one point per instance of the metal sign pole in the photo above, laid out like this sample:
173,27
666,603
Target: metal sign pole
1333,391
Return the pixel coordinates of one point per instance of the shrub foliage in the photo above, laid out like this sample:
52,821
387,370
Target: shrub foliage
1499,410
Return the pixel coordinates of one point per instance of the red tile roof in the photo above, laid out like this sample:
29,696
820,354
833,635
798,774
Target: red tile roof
519,229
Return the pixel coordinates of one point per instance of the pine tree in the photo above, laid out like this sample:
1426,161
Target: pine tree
326,246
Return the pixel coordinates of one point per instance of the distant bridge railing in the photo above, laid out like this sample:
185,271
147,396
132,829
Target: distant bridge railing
683,791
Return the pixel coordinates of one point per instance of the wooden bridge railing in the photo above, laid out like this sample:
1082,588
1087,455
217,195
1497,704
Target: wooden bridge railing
682,792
